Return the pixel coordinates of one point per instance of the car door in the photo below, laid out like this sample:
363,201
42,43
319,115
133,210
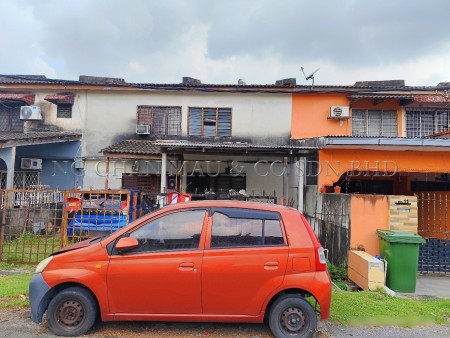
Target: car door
246,260
162,275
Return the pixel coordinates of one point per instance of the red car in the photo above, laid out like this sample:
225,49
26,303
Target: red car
208,261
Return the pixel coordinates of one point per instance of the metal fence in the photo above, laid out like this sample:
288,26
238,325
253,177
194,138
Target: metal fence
35,223
434,226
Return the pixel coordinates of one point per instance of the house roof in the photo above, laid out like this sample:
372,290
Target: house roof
10,139
148,147
278,87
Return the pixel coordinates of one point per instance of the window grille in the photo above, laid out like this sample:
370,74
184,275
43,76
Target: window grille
423,122
26,179
64,111
367,122
10,116
163,120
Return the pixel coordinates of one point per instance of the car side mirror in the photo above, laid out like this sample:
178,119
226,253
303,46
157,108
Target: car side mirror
126,243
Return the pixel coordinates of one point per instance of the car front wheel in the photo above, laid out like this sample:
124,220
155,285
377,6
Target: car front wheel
292,316
72,312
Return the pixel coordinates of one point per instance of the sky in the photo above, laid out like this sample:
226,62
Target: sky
222,41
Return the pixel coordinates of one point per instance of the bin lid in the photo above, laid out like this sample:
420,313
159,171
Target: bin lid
400,236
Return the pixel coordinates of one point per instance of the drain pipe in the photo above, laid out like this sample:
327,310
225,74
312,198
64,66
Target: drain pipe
385,288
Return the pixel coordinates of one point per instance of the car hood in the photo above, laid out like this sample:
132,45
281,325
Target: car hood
77,246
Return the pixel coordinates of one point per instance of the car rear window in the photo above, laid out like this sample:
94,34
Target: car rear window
245,228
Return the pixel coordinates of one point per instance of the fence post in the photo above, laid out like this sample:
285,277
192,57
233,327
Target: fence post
64,222
3,224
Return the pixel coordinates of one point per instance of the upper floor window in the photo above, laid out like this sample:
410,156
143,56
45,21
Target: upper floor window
163,120
368,122
215,122
244,228
64,111
422,122
9,116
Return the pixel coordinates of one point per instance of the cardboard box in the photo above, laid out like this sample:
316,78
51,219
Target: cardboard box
365,270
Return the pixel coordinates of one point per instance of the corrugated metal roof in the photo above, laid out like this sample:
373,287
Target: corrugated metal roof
35,136
361,87
380,96
147,147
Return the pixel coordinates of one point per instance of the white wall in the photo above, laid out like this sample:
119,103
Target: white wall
112,115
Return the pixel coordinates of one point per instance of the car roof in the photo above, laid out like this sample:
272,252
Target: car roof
229,204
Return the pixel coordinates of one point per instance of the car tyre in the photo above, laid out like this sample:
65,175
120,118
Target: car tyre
292,316
72,312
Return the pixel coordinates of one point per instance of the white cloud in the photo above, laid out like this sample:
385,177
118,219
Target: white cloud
221,41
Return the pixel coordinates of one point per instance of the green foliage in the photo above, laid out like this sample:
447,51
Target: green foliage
378,309
337,272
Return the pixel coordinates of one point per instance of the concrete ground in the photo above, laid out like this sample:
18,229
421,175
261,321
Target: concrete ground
433,286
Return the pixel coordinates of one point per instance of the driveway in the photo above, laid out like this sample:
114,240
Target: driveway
16,323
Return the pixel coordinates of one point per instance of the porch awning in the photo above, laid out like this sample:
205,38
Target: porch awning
60,98
379,97
151,147
27,98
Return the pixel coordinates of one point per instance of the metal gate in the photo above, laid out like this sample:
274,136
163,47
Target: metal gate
434,226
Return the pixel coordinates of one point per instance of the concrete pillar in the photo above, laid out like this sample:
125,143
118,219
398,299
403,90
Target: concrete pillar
163,175
10,161
301,174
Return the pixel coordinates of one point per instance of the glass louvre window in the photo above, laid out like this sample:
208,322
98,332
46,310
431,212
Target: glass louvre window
162,120
210,122
366,122
424,122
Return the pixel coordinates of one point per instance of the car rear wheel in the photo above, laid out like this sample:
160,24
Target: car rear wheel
292,316
72,312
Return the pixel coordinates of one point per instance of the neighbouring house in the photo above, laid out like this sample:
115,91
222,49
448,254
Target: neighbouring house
383,144
32,148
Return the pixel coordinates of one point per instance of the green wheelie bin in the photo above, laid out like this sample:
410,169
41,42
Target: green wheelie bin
401,251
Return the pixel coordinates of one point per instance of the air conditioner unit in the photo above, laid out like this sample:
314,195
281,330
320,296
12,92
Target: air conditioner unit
339,112
143,129
31,163
30,113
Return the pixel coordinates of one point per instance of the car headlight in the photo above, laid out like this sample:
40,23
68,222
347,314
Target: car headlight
43,264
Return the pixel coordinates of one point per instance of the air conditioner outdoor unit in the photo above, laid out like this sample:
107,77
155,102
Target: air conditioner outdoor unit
143,129
30,113
31,163
339,112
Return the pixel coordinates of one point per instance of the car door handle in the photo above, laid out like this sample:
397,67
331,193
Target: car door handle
188,266
271,265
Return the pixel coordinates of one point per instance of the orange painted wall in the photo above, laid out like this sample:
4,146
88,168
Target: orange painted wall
343,160
368,213
310,112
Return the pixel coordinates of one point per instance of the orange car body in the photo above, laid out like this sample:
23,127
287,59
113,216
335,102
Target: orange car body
231,284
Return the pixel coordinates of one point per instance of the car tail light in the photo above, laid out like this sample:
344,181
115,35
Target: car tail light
321,259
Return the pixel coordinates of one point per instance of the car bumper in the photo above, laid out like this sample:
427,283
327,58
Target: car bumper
38,293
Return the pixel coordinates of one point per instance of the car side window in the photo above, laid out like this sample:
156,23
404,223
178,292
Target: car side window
241,230
176,231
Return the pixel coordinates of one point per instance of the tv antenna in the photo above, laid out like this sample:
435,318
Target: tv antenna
310,76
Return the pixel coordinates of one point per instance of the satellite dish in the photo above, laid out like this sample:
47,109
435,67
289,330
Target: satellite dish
310,76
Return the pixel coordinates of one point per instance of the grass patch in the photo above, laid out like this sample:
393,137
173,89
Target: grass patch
14,289
30,248
378,309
